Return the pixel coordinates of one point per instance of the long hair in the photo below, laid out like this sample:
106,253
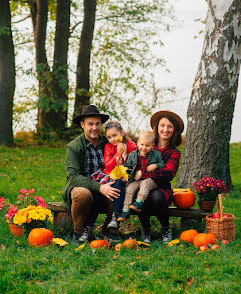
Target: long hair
118,126
176,138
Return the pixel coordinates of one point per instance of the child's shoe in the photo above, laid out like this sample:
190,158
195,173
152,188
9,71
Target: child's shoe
136,206
114,223
86,234
124,216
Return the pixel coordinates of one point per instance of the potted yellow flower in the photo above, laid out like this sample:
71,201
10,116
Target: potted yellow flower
30,212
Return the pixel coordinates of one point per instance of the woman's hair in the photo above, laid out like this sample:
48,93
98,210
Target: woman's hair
118,126
176,138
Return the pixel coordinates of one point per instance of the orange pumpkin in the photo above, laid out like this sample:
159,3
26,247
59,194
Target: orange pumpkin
201,240
40,236
211,238
130,243
188,236
183,199
99,244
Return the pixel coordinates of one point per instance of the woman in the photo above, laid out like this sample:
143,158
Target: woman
167,127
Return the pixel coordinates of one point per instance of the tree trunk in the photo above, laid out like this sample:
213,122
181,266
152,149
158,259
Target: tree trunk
7,74
210,111
83,63
53,85
60,67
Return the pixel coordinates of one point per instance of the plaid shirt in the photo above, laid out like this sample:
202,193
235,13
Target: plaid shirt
95,158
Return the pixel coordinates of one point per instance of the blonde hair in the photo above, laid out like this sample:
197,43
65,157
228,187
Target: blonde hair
149,135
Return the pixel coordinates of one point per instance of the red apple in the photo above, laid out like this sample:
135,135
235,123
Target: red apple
215,247
216,215
225,242
118,247
203,248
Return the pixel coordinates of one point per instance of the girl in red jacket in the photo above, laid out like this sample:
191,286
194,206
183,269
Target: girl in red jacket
115,152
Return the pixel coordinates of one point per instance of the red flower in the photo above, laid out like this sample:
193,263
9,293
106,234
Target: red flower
11,212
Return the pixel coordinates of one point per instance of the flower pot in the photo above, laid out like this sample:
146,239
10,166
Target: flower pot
15,230
206,205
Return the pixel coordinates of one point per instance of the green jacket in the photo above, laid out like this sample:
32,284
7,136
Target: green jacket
154,157
76,155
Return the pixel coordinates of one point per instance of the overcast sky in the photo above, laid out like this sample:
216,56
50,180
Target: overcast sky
182,52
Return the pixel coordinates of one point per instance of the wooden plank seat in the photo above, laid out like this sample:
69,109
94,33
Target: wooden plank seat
62,216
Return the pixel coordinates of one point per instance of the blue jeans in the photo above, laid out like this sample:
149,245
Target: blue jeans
100,202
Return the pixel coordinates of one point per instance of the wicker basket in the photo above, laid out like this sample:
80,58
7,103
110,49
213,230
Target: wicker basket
224,227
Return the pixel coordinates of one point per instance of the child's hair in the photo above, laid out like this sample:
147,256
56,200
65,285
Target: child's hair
149,135
118,126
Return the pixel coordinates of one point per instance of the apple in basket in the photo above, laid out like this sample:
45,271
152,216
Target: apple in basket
216,215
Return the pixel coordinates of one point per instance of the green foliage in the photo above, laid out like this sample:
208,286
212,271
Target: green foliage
160,269
5,31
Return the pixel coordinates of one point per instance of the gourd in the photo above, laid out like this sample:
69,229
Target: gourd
99,244
183,199
130,243
39,237
188,236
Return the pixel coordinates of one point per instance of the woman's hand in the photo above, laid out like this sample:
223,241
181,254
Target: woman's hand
138,175
151,167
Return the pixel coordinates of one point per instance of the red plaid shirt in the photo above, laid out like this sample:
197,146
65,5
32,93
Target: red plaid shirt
163,177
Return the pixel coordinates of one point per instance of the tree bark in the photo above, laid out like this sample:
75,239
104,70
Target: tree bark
7,74
211,107
83,63
60,67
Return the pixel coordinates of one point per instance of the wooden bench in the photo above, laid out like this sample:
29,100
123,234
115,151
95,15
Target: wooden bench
62,216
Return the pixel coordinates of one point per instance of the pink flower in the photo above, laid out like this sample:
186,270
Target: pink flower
11,212
1,203
31,191
23,191
40,201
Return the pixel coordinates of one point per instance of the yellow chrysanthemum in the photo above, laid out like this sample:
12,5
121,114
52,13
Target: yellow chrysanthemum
173,242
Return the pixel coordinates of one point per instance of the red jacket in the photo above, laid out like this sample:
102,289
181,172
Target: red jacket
110,153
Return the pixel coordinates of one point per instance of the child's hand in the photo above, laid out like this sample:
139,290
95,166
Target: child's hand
138,175
151,167
119,160
125,149
120,148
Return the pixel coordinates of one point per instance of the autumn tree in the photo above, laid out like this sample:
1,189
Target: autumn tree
7,74
211,107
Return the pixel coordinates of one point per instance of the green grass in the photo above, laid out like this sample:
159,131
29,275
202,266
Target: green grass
160,269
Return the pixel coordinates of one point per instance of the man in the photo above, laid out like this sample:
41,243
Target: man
85,155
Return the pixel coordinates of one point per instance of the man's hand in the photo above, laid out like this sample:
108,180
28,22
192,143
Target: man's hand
109,192
151,167
138,175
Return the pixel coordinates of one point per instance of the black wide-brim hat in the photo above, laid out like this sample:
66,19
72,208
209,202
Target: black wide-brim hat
90,111
156,117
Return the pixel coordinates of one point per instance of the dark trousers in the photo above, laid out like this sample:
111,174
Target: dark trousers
99,203
155,205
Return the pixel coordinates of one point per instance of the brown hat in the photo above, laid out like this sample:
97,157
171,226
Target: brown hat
156,117
90,111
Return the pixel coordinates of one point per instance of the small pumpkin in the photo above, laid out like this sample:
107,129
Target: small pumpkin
40,237
99,244
130,243
201,240
184,199
188,236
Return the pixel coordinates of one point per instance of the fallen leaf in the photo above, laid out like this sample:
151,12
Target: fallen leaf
143,243
17,242
80,247
114,256
59,242
119,172
190,281
145,273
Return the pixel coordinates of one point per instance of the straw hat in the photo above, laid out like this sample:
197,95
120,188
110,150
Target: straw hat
156,117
